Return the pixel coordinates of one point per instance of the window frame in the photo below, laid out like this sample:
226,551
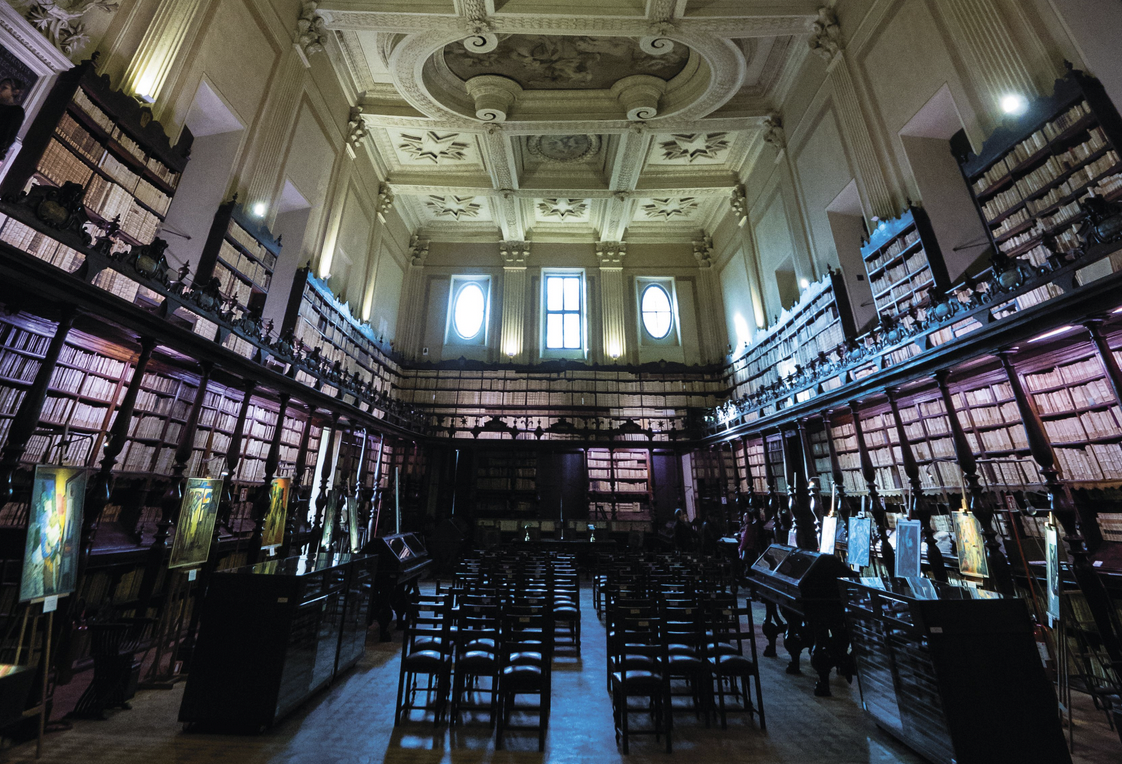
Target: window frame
458,283
547,352
673,337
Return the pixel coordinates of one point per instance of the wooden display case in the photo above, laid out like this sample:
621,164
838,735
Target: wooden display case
273,634
954,673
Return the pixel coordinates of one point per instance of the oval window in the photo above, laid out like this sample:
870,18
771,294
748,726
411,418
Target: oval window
658,317
467,315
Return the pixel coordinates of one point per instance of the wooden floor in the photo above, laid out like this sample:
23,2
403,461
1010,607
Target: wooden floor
352,723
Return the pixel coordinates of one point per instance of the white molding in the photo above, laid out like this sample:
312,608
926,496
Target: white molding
26,43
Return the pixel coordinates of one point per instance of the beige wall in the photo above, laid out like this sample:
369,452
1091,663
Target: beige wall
898,55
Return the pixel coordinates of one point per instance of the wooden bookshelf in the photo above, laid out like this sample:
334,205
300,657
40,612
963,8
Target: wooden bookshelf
619,483
316,320
242,254
1029,176
817,326
101,139
904,264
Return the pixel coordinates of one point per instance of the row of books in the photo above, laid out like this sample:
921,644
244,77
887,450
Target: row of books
117,283
136,457
10,400
40,245
78,382
66,411
916,262
251,245
1030,147
1092,463
95,362
1004,438
886,253
231,286
102,120
60,165
1069,374
253,270
1060,164
18,367
1072,186
1095,393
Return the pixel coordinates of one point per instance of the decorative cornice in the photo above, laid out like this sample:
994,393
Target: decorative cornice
739,204
515,254
774,135
385,200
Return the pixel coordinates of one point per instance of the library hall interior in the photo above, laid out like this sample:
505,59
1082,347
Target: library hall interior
560,381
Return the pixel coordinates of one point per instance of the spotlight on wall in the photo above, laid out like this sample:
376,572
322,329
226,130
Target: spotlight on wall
1014,104
804,284
145,98
259,209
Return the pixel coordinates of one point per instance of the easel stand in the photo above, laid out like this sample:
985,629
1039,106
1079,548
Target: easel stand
160,676
48,607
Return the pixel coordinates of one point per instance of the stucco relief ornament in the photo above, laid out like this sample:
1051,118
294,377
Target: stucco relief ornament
356,127
60,21
739,203
825,37
418,251
611,253
658,42
385,199
773,132
514,253
703,251
311,30
481,37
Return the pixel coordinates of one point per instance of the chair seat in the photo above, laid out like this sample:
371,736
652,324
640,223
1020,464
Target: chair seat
524,678
683,664
722,648
476,662
484,643
525,658
733,664
639,681
566,611
681,649
426,661
428,643
635,662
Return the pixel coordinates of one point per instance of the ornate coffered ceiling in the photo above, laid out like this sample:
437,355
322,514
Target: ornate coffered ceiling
520,120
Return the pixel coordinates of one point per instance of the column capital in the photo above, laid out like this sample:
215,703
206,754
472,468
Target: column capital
610,254
311,31
703,251
825,38
418,251
515,254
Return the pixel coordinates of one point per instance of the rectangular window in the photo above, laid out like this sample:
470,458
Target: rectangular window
564,311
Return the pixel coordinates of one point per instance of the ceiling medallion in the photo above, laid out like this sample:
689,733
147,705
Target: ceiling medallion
694,146
454,207
563,209
433,147
668,209
563,148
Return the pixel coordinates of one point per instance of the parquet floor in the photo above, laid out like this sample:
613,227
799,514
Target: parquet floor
352,723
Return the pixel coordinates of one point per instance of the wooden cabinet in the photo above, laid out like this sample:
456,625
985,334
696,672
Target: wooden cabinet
273,634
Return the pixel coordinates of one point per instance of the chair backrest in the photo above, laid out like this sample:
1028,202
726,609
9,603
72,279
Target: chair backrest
730,623
428,617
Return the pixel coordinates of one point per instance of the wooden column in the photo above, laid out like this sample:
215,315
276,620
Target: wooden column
295,502
233,458
324,480
869,472
261,500
836,473
173,496
1065,510
920,509
101,486
807,508
360,494
977,501
26,418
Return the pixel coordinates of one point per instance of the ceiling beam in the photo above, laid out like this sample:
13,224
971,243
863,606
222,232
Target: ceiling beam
427,187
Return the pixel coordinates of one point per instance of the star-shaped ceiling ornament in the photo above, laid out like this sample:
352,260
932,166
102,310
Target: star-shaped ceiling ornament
563,209
454,207
669,209
691,146
434,147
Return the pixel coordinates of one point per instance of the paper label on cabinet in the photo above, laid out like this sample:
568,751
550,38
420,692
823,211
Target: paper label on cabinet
50,604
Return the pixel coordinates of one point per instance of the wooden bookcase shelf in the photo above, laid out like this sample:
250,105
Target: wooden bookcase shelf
506,482
1030,175
242,254
315,318
817,326
619,483
904,263
103,140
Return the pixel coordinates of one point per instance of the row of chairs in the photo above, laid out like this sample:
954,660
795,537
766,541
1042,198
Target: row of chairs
488,642
666,640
